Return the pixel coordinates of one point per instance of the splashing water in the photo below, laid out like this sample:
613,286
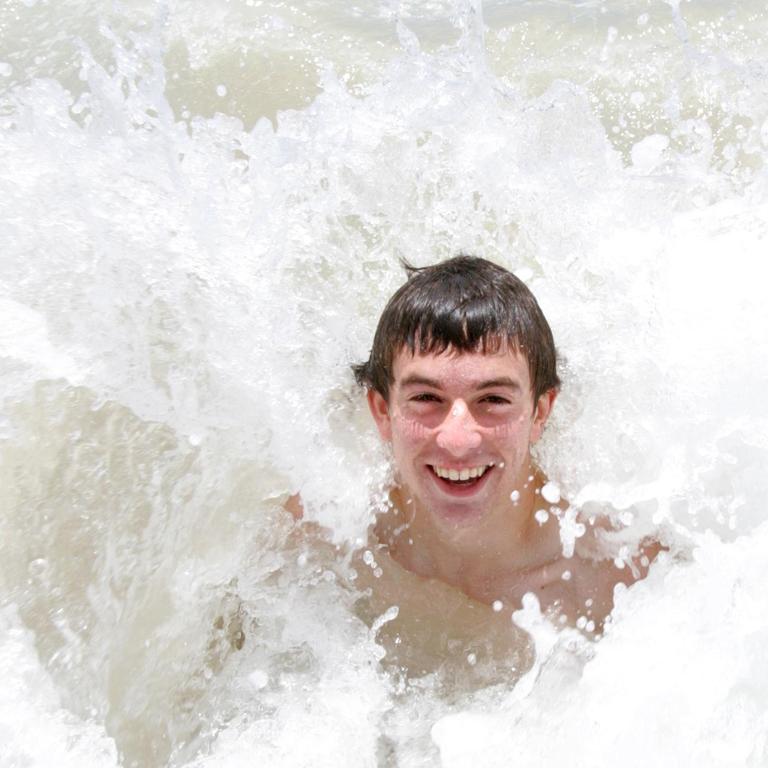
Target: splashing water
203,207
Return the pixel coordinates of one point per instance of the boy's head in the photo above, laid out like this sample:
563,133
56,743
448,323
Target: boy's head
464,304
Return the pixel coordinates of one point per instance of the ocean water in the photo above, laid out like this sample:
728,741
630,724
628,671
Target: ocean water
202,209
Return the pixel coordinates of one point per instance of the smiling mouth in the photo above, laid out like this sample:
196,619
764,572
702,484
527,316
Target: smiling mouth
462,480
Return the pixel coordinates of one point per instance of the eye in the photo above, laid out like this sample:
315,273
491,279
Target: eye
495,400
425,397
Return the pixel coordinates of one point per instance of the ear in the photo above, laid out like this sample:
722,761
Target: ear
380,412
541,413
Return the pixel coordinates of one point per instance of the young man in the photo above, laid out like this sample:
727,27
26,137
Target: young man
461,380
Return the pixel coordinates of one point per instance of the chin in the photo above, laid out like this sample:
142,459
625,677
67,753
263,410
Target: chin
456,515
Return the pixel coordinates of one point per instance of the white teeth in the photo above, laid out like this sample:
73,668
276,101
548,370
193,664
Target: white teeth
468,473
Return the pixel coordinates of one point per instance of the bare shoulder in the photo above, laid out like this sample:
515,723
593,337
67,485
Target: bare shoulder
605,558
603,540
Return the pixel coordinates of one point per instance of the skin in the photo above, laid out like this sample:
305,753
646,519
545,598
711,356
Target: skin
459,411
457,561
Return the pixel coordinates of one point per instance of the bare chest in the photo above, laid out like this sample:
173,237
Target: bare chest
426,626
578,590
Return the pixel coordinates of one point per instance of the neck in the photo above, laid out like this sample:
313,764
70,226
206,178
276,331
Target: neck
472,558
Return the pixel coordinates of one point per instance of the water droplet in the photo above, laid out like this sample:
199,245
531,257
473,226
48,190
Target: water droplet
258,679
551,492
38,568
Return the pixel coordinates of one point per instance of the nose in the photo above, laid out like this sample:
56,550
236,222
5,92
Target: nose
458,434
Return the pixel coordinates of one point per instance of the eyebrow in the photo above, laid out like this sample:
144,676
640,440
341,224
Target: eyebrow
414,380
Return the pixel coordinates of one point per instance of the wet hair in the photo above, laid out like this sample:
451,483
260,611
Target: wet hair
464,304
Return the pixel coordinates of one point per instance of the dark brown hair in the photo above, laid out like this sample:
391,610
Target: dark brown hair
464,304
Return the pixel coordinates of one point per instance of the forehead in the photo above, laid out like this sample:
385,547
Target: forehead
462,369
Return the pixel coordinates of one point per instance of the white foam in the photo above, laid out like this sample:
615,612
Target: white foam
181,300
709,614
34,728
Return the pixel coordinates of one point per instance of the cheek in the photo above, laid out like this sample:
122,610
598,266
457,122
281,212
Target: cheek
513,429
407,429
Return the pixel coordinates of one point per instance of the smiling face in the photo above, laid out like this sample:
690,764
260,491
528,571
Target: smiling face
461,426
